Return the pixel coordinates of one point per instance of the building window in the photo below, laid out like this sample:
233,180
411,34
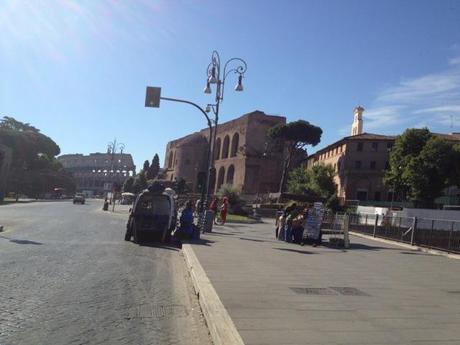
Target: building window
235,144
358,164
335,166
377,196
340,149
389,146
230,174
361,195
339,164
387,165
373,164
375,146
217,149
170,160
225,147
360,147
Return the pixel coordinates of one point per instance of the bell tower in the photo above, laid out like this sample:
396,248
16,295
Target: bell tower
357,127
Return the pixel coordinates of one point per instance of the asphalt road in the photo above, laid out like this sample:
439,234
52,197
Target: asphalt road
68,277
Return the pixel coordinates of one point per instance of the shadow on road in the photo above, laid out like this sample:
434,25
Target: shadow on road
220,233
168,246
201,241
295,251
25,242
251,239
14,240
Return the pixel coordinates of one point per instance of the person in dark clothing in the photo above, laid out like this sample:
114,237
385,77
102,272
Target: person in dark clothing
186,227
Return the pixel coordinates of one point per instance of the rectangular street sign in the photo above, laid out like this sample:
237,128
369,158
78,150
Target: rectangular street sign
152,97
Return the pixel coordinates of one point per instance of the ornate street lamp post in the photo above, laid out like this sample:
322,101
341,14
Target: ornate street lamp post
112,148
218,76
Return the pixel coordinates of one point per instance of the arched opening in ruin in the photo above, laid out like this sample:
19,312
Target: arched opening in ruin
225,147
230,174
220,178
235,144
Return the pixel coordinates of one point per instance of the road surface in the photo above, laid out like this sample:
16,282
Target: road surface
68,277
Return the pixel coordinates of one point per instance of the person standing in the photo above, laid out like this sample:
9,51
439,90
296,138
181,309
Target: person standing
223,211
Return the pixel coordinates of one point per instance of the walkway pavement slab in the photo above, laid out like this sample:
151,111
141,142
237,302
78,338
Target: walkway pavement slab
372,293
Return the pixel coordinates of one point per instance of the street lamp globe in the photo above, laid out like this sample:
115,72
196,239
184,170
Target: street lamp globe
239,85
212,78
207,89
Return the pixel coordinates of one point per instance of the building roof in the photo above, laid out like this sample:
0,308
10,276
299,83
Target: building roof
370,136
358,137
450,136
377,137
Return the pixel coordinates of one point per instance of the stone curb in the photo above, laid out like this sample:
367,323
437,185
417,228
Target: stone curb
407,246
220,325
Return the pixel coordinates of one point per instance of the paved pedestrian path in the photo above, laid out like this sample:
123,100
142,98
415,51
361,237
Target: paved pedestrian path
372,293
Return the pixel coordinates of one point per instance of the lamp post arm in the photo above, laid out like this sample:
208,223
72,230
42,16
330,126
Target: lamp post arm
240,69
191,103
204,189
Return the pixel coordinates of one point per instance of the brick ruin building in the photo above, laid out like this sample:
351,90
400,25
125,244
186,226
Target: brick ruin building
241,156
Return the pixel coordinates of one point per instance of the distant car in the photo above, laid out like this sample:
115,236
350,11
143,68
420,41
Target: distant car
79,198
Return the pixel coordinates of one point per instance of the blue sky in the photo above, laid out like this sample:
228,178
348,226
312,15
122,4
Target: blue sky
78,69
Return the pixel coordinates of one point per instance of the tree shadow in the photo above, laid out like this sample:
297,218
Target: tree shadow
236,225
251,239
25,242
294,251
220,233
417,253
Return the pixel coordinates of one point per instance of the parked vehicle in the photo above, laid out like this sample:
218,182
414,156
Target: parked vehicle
152,217
79,198
127,198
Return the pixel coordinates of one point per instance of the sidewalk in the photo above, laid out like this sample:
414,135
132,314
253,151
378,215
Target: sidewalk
373,293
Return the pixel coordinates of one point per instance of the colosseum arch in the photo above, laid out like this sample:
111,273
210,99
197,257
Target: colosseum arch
217,149
230,174
225,147
235,144
220,178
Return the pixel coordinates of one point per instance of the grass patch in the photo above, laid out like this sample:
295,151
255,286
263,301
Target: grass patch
233,218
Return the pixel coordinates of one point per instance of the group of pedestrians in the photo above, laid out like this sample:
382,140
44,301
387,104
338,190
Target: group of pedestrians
187,226
220,210
291,224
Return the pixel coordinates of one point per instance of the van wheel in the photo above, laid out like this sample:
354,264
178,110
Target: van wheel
127,236
136,237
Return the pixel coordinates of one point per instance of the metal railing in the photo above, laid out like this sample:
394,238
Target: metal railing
430,233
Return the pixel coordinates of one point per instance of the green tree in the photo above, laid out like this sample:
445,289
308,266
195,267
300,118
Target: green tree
298,181
233,194
140,182
34,169
154,167
317,180
428,173
406,147
128,185
422,166
295,136
146,166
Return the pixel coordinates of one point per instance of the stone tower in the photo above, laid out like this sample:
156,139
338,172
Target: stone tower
357,127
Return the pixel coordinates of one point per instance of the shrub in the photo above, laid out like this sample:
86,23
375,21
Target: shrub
233,195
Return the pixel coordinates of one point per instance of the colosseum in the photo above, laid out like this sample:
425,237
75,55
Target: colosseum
240,156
